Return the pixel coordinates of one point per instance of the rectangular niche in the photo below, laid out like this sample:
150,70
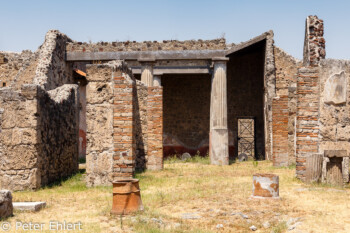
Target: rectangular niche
335,167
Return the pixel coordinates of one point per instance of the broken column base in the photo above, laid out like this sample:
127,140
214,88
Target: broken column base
265,186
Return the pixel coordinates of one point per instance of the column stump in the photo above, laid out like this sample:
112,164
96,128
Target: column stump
265,186
126,197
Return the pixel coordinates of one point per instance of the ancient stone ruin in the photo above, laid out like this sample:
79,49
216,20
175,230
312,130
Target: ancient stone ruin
127,105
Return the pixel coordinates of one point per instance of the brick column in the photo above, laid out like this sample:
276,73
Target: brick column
155,128
280,131
307,127
123,124
218,138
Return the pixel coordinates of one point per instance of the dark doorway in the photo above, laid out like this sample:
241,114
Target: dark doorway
245,95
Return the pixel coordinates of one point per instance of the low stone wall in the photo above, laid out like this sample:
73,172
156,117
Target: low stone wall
216,44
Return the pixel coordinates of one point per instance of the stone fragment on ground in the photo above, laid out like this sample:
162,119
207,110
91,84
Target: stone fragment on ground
29,206
219,226
190,216
253,228
6,207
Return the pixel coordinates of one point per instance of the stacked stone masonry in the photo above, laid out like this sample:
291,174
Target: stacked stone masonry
314,45
39,121
99,122
165,45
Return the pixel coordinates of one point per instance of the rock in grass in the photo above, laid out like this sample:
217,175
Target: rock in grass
6,207
253,228
190,216
219,226
185,156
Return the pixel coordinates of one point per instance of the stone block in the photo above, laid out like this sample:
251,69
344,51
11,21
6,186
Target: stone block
6,207
335,89
29,206
19,157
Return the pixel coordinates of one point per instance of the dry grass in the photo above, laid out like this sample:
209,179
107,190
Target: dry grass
213,192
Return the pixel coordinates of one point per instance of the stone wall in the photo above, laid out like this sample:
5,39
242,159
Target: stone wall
314,44
99,122
216,44
17,68
41,119
38,136
19,139
334,118
186,113
58,130
286,75
52,70
141,125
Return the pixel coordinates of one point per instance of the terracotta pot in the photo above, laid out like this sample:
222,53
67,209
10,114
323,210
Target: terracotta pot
126,197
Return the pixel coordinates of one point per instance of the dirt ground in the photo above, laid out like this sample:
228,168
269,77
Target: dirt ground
193,196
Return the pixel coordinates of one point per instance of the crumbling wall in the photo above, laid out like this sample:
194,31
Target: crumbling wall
19,139
58,124
52,70
40,119
314,43
284,108
147,45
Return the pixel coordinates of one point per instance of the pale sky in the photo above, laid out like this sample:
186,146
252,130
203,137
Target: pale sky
24,23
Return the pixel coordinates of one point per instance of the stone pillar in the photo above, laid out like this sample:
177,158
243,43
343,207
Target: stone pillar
147,71
218,138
